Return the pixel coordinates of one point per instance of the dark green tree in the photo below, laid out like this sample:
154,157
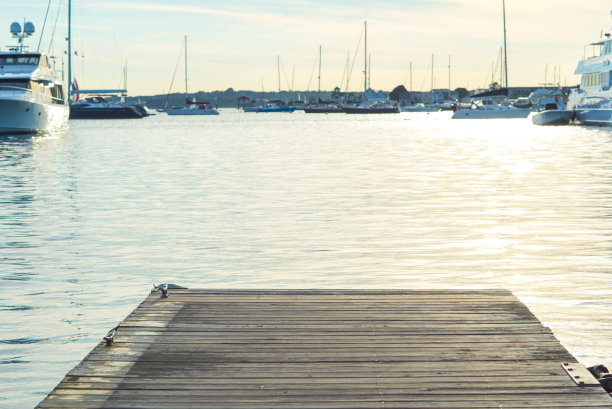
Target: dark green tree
462,92
397,91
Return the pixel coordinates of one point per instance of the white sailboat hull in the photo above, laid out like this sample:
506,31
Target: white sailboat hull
491,113
27,116
188,111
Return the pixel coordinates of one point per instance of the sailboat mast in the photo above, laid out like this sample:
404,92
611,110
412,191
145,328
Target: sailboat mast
278,68
319,91
365,59
432,72
410,76
69,52
185,66
505,51
370,71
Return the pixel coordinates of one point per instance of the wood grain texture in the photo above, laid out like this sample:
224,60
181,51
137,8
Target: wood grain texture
327,349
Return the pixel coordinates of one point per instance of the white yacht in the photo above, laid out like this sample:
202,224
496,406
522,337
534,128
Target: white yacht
193,108
592,100
490,108
31,94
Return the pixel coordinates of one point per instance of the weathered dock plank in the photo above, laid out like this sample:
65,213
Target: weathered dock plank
328,349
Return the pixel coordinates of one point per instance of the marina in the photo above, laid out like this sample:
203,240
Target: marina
356,259
198,348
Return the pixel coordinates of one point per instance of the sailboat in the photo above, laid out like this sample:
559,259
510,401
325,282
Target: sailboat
31,93
322,107
192,106
370,104
485,105
274,106
97,107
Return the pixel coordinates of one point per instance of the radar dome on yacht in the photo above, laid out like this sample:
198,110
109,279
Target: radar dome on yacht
28,28
15,28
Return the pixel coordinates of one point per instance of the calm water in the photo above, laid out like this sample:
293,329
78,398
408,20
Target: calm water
91,219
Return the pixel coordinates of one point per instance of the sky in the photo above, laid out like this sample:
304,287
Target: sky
236,43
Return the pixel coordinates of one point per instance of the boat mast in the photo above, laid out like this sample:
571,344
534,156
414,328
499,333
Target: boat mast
278,68
185,67
449,73
432,72
370,70
319,91
505,51
365,60
69,53
410,76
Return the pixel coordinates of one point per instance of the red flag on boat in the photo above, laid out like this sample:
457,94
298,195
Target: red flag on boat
75,86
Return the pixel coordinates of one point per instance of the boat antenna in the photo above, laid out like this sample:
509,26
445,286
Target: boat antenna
505,50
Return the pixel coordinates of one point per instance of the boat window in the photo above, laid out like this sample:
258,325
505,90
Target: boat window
591,80
36,86
13,85
607,49
19,59
57,94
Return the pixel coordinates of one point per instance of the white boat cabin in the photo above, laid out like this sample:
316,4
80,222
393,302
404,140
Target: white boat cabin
29,75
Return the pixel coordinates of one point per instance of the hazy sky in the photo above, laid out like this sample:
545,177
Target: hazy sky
236,43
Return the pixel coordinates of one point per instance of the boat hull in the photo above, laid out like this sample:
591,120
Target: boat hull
323,110
419,109
120,112
276,109
594,116
510,113
250,109
192,112
25,116
366,110
552,117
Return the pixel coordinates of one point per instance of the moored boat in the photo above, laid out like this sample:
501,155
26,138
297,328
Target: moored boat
592,100
374,108
552,117
191,107
551,108
275,108
31,93
420,107
491,109
98,107
372,102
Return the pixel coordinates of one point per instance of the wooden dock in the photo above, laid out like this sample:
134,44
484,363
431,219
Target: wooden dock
326,349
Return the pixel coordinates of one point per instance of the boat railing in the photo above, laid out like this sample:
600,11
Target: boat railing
32,95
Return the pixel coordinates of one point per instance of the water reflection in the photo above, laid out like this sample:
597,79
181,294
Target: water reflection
90,220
